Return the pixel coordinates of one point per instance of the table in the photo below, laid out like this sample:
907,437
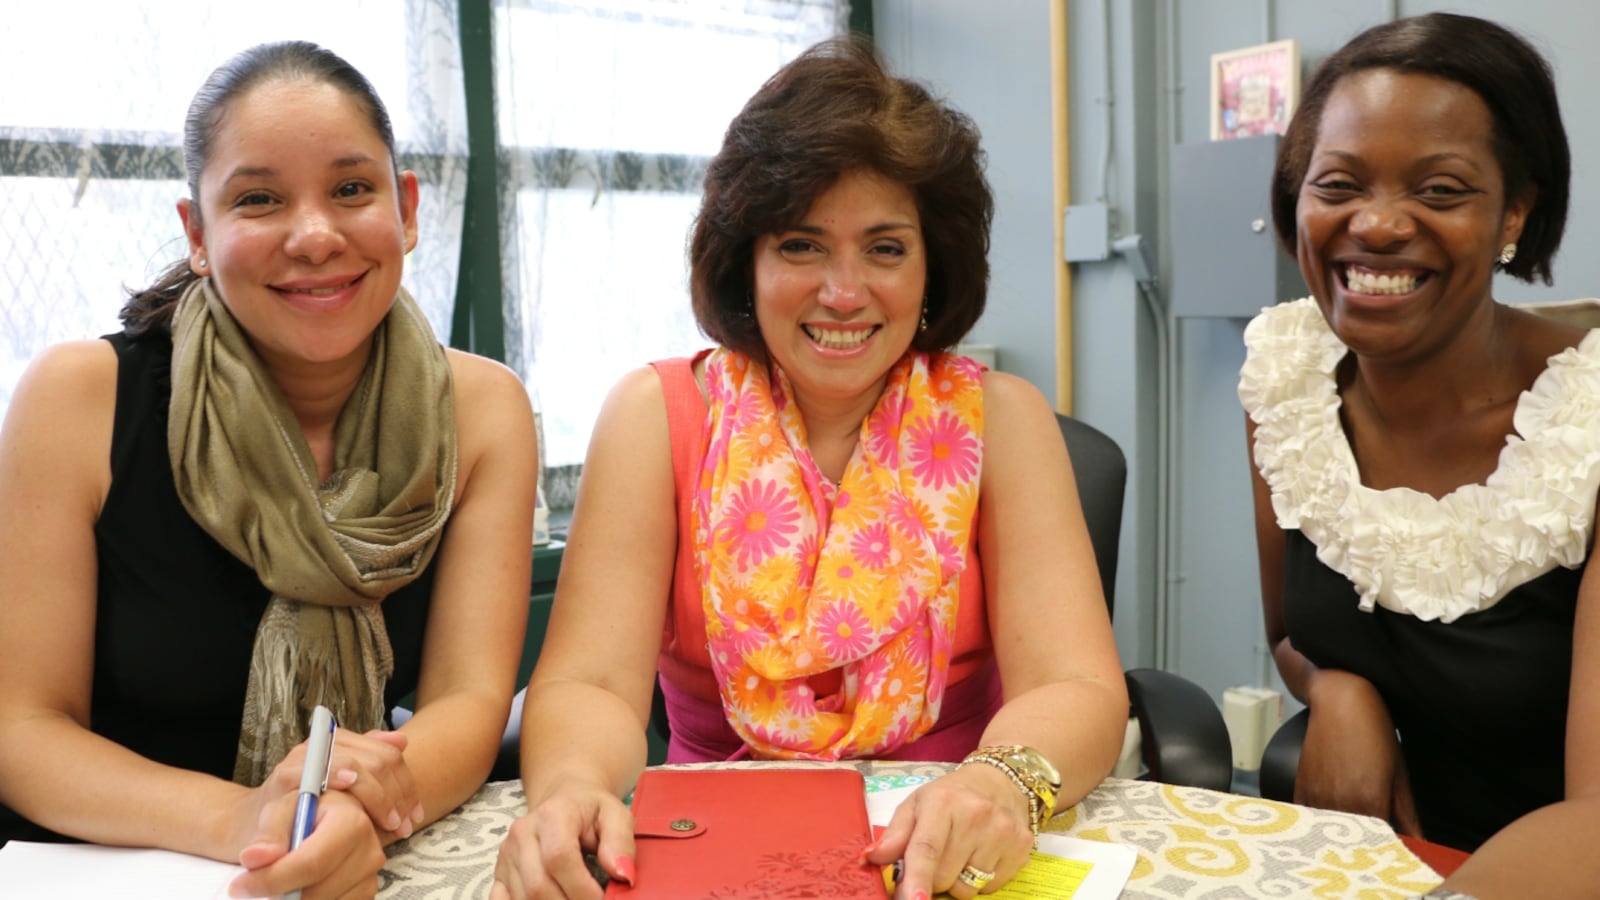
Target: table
1192,843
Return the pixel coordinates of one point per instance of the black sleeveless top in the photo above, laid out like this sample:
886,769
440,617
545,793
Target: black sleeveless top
1480,703
176,612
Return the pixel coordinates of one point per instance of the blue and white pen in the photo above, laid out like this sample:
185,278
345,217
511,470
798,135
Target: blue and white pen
313,779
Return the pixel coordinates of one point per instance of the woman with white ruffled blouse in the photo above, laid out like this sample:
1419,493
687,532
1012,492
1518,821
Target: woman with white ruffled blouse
1427,460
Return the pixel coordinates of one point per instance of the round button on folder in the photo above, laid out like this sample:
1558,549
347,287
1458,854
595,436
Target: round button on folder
683,825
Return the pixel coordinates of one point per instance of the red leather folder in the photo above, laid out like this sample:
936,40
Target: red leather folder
750,834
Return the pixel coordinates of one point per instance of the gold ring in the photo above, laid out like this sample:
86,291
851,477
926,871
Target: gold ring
974,877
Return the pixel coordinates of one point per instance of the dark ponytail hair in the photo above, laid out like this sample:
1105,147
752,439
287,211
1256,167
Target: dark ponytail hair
281,61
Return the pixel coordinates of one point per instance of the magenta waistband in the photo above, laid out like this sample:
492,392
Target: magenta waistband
701,733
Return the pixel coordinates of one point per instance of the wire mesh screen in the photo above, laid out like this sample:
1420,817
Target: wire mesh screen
90,161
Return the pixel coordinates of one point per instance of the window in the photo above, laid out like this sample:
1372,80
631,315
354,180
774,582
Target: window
91,165
607,113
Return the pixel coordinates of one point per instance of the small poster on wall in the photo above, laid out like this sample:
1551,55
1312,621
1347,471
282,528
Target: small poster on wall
1254,90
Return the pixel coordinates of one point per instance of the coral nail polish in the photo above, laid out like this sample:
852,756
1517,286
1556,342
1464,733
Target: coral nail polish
624,866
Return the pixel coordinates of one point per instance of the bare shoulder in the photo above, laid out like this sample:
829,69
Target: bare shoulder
76,380
1540,337
59,422
490,398
1012,404
479,379
639,392
495,432
632,424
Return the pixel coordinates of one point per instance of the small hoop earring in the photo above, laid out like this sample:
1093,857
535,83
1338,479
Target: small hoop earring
1507,254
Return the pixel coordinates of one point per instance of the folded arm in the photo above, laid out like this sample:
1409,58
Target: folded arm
1064,690
585,714
479,611
55,449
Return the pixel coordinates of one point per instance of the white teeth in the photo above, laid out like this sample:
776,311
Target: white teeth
325,292
839,340
1364,281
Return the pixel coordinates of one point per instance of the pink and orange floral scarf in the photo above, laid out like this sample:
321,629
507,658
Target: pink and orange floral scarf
801,577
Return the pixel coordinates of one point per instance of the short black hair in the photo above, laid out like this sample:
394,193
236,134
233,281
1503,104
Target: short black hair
1514,82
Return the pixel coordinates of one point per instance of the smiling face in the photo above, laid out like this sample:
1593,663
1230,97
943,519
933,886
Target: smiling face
838,297
1403,211
300,222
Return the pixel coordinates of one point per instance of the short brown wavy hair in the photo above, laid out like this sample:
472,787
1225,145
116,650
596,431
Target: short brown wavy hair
836,109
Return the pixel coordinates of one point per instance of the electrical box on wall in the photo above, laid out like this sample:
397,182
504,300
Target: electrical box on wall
1086,233
1226,261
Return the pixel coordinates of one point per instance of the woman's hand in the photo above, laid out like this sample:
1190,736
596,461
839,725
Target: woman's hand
1351,758
339,860
542,855
370,767
974,816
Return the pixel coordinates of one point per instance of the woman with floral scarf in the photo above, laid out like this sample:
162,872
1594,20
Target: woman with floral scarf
833,538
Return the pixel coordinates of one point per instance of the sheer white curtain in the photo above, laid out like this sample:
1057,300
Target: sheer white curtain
607,112
91,119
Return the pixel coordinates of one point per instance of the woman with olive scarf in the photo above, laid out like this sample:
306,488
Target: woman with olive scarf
273,489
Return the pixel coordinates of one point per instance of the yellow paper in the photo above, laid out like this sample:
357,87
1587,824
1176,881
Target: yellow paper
1045,877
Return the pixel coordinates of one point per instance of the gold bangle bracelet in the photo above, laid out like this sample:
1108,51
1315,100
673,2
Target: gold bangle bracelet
1034,818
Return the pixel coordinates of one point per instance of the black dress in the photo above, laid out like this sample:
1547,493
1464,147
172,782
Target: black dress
176,612
1458,609
1480,703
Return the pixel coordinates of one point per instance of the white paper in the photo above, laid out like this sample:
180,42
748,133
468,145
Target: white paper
91,872
1109,864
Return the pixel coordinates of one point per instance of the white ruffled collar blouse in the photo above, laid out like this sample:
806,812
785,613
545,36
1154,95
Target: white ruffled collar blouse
1401,548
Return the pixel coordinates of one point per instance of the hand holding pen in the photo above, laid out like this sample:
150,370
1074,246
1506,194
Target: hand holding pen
323,841
313,779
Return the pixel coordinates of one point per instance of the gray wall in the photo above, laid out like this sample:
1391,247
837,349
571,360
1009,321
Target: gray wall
1138,81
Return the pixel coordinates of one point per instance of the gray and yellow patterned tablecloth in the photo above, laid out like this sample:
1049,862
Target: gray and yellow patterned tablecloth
1193,844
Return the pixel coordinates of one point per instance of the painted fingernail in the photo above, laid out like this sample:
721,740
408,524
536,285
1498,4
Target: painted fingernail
624,867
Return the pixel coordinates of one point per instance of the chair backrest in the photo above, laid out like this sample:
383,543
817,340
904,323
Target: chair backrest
1101,469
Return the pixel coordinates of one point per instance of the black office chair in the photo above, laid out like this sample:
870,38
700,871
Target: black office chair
1280,760
1183,739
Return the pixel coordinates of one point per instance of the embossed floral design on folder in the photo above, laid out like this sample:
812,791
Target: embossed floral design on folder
751,834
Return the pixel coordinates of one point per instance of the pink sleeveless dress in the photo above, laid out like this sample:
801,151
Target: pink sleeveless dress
700,730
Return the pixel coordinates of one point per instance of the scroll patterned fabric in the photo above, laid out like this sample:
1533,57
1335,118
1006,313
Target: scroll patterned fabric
800,576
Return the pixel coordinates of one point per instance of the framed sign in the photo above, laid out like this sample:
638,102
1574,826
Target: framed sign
1254,90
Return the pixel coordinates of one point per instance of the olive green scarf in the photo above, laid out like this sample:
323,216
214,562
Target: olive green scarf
328,552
